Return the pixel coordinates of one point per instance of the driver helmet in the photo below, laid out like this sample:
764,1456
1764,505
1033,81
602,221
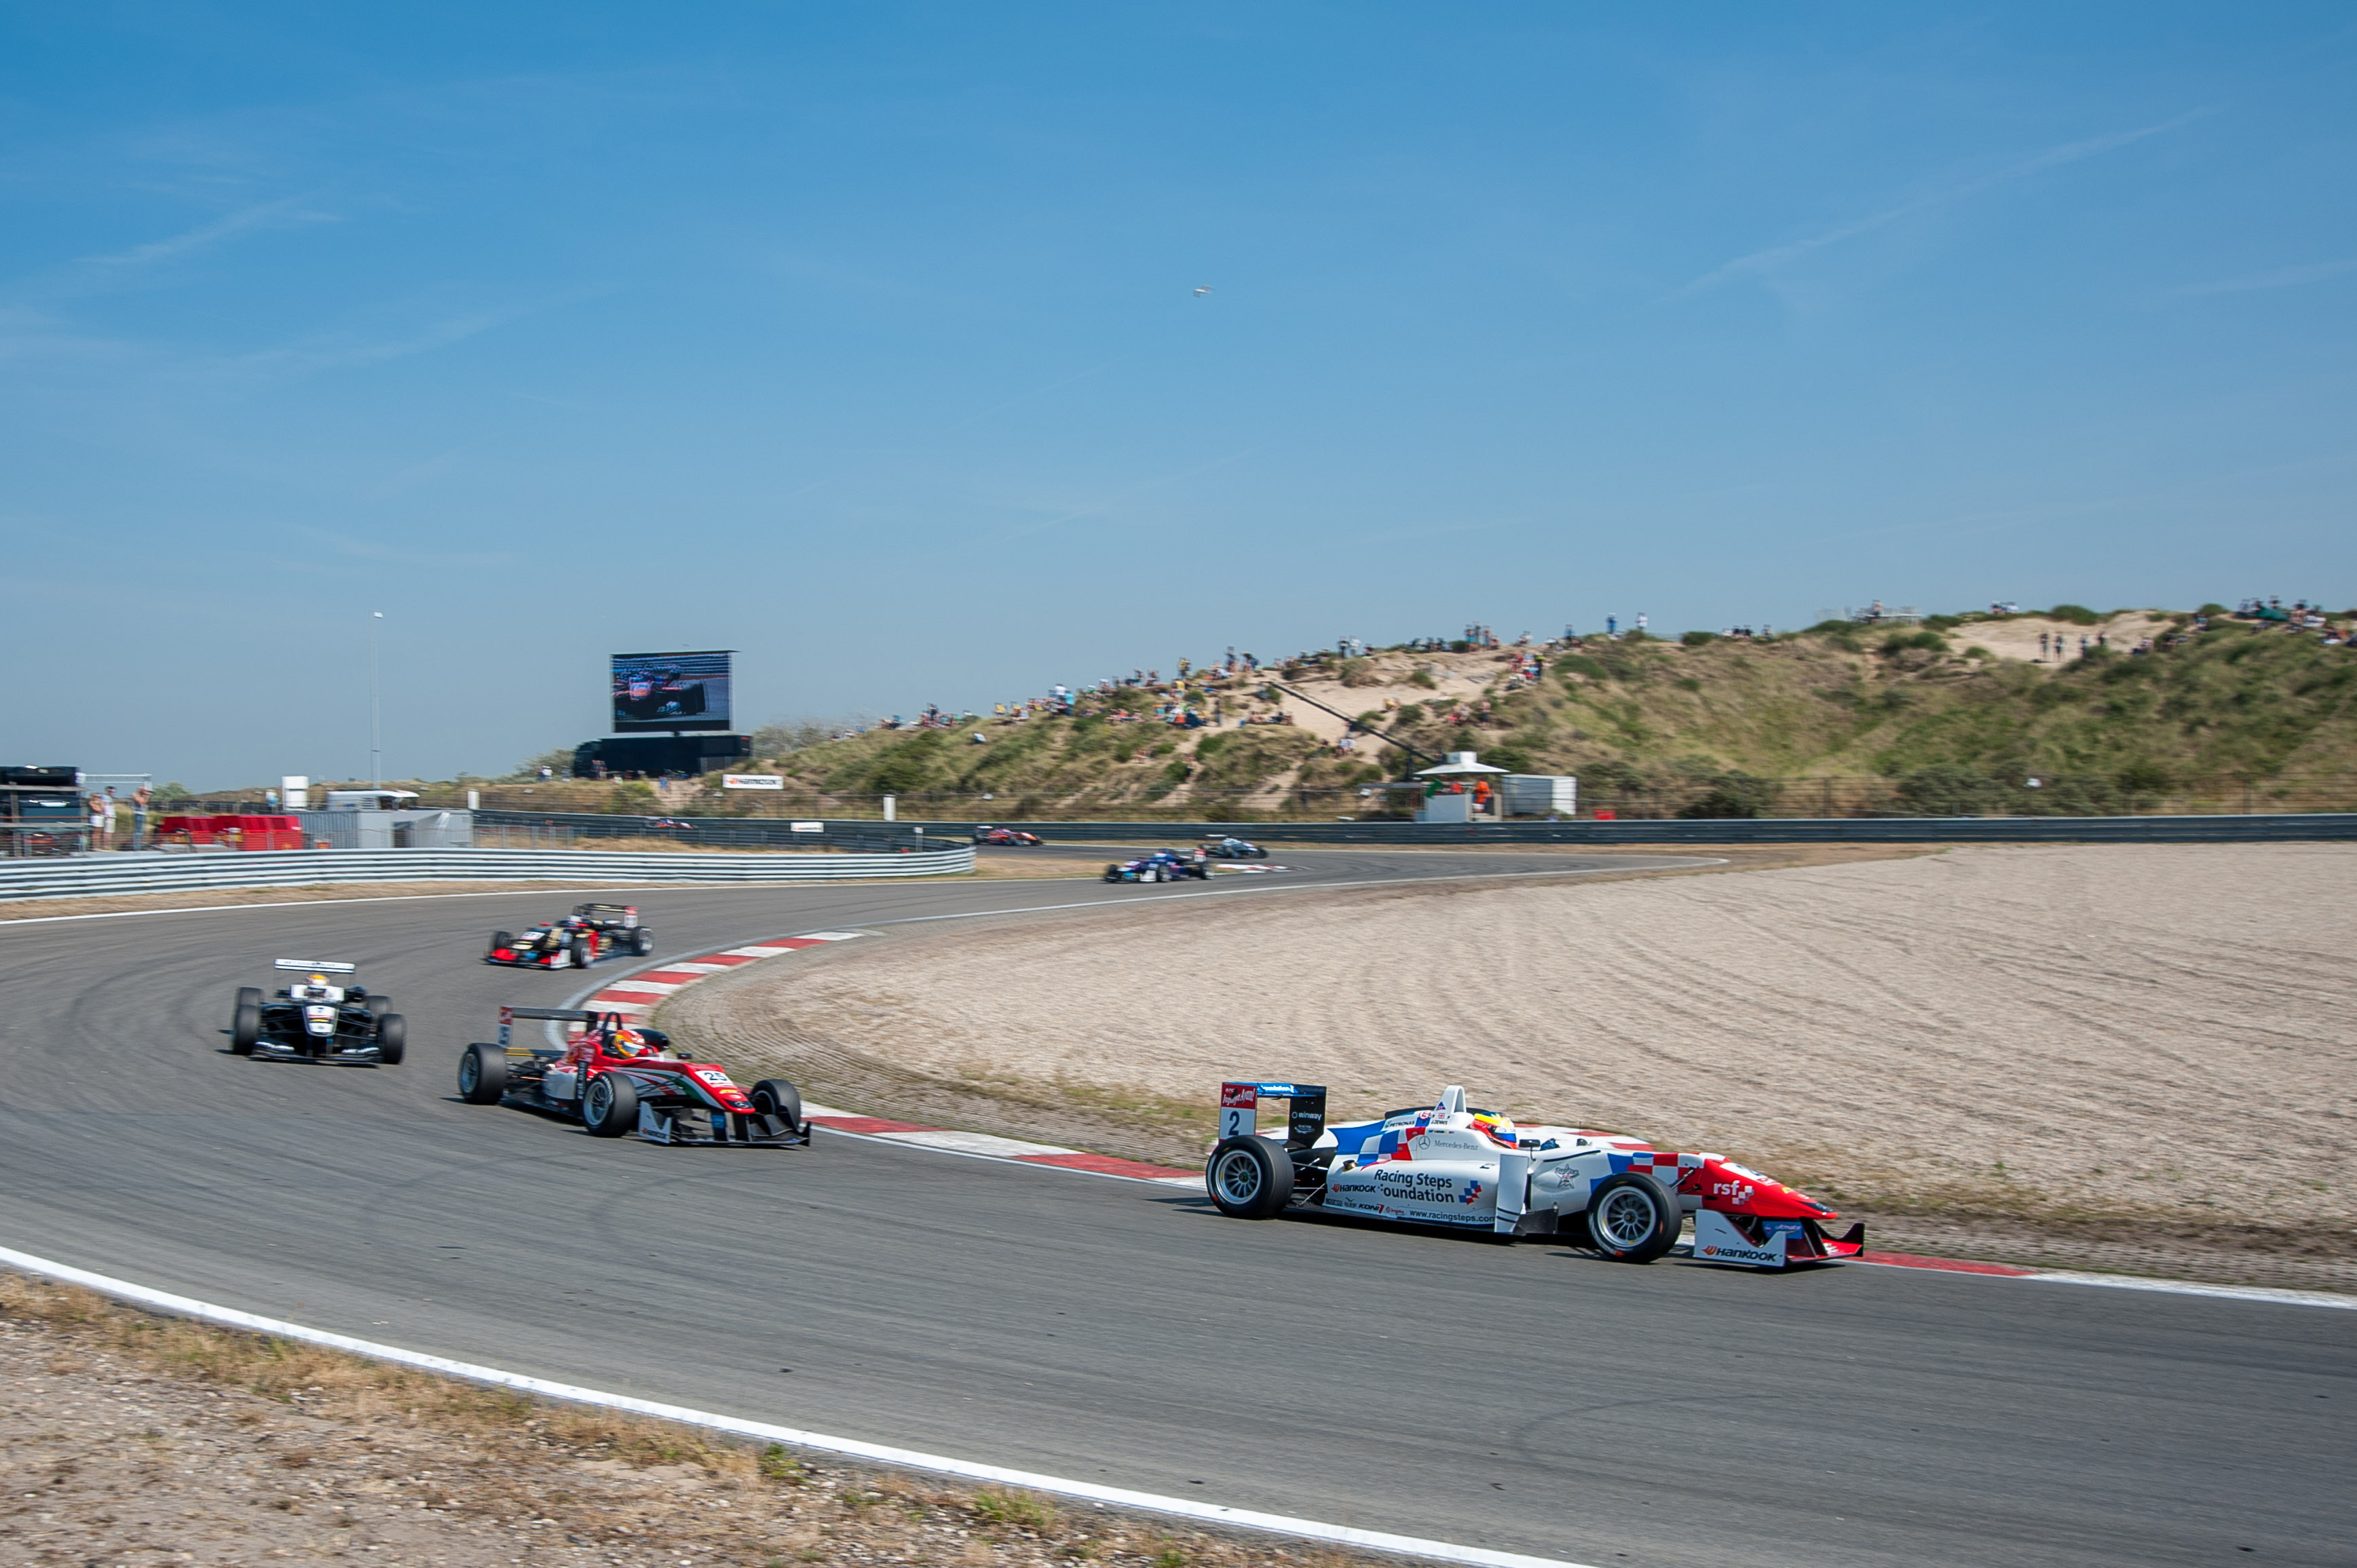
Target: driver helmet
627,1042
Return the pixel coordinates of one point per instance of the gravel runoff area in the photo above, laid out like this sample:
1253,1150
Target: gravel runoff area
2134,1058
129,1439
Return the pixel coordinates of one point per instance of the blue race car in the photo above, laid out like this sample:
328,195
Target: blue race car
1162,865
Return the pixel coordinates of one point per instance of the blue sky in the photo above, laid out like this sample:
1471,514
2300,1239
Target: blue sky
865,339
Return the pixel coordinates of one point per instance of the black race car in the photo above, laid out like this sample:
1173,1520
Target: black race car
1233,849
1015,836
591,932
316,1019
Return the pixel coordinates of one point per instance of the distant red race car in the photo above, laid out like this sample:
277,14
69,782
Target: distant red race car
591,932
1015,836
615,1077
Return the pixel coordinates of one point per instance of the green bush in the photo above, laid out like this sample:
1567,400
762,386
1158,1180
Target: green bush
2077,615
1413,713
1424,677
1902,641
1572,664
1835,628
1734,794
1948,789
1697,638
1943,623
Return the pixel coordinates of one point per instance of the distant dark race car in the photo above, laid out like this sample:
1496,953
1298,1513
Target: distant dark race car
317,1019
1014,836
591,932
1162,865
1233,849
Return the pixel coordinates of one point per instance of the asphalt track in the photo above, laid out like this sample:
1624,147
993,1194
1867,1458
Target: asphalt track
1525,1397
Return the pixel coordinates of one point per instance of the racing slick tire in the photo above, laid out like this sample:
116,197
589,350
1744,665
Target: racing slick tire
583,952
500,939
380,1005
1113,874
1249,1178
776,1097
245,1023
642,942
609,1106
1633,1218
483,1074
393,1039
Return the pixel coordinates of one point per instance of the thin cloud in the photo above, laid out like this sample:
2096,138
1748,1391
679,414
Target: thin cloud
2282,277
1775,256
287,212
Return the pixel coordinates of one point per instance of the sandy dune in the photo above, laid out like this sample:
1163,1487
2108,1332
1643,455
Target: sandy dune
2071,1038
2017,638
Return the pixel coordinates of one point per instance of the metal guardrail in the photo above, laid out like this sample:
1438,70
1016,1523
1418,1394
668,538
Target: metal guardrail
854,836
2309,826
156,873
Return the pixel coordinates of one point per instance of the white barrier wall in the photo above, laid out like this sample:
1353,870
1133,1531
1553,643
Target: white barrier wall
157,873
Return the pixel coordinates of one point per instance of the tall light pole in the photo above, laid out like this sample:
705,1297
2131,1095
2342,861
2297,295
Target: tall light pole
376,733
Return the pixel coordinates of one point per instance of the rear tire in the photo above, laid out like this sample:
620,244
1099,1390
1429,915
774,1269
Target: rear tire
776,1097
245,1022
380,1005
642,942
1249,1178
483,1074
392,1039
609,1106
1633,1218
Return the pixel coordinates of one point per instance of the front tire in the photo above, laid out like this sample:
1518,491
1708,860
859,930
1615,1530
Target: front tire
1633,1218
584,955
500,939
1249,1178
610,1107
776,1097
1113,874
392,1039
483,1074
245,1023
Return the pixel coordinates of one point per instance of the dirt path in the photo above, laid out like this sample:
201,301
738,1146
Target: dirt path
2133,1057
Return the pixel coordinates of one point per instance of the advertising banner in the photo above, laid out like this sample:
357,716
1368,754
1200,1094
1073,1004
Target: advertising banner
752,781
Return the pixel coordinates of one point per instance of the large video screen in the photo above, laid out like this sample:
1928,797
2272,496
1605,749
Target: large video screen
670,691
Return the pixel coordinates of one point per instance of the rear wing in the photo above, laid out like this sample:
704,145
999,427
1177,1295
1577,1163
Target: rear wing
323,966
507,1015
1240,1111
628,913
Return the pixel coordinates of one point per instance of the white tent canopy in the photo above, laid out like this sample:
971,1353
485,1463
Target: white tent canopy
1460,763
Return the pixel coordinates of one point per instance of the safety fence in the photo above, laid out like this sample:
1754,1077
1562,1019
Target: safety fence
164,872
1738,830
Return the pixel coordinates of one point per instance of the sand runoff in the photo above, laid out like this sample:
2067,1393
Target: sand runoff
2133,1056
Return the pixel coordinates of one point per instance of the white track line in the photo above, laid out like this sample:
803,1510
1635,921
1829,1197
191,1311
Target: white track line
1150,1502
2189,1287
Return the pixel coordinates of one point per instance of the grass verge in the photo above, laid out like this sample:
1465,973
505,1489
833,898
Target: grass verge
233,1446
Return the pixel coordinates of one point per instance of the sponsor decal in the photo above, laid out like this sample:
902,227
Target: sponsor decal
752,781
1239,1096
1742,1255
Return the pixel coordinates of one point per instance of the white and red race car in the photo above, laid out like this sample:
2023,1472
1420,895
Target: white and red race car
1473,1169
